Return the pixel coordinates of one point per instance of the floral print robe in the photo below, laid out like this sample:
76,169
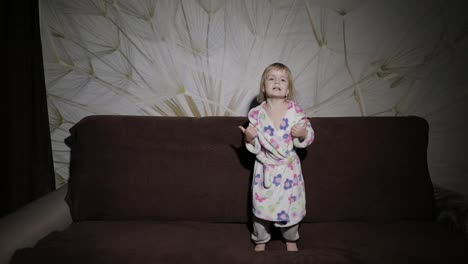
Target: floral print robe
278,191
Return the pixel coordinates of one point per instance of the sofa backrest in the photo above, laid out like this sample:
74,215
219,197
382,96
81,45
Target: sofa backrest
162,168
368,168
183,168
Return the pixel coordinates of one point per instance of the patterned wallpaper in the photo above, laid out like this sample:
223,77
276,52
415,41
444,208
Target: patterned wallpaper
205,57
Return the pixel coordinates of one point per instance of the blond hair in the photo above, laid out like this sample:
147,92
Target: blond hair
280,67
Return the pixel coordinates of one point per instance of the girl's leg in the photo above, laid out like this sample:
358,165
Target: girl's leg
291,235
261,233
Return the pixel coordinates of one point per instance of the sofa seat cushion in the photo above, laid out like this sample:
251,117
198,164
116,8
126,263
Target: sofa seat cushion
195,242
140,242
387,242
170,242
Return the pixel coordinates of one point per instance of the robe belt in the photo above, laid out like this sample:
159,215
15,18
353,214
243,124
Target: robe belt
262,158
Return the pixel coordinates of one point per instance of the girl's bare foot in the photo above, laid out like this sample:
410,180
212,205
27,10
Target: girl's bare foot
260,247
291,246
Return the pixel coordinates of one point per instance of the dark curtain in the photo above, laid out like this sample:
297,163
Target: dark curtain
30,172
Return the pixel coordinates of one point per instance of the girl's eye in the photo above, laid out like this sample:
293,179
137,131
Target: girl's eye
283,80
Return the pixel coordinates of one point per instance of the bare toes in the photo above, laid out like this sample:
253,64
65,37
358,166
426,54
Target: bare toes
291,246
260,247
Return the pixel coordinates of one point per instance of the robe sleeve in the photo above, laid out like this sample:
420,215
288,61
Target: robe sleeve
310,131
254,146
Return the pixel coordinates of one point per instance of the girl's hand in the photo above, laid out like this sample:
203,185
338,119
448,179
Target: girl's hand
300,131
250,133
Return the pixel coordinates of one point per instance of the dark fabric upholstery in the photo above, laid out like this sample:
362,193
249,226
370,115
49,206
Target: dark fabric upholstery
168,168
370,168
401,242
196,242
177,190
160,168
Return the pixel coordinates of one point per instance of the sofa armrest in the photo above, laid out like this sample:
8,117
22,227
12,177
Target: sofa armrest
26,226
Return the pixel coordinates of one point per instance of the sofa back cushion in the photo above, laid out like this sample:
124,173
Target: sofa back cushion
181,168
368,168
161,168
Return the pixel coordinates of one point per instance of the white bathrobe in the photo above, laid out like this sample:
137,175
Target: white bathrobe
278,191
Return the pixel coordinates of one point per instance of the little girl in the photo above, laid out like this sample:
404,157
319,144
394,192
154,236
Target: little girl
276,127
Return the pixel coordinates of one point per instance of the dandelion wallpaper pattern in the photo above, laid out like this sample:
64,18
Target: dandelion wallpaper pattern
205,57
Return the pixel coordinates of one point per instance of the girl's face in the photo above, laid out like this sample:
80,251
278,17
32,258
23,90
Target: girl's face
276,84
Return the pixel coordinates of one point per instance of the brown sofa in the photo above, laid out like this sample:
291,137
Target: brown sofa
177,190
